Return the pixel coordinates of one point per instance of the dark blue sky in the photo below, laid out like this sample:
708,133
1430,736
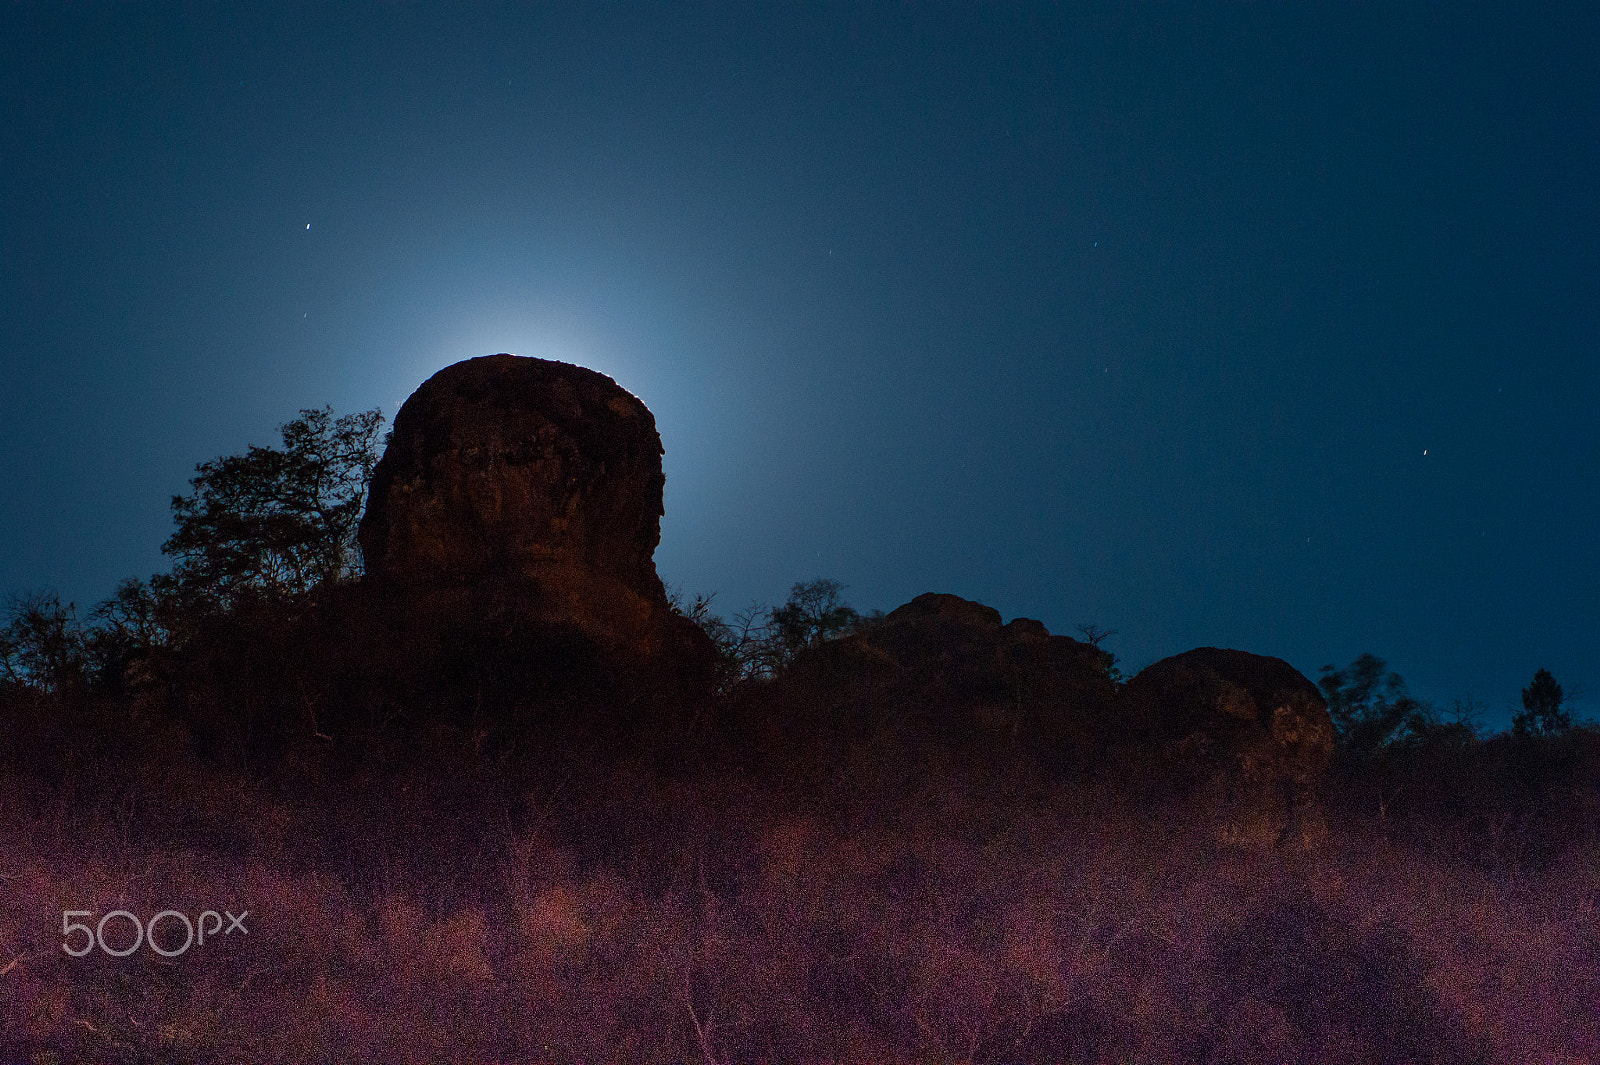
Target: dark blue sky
1262,326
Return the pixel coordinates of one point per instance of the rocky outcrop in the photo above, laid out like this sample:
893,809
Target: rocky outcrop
1249,733
945,670
531,490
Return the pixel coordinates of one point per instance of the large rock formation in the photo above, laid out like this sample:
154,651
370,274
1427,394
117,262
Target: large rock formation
943,669
533,490
1249,733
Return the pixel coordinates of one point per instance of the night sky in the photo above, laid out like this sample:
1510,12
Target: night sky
1255,326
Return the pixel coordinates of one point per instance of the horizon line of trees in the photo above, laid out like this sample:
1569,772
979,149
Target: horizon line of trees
271,526
1372,710
263,528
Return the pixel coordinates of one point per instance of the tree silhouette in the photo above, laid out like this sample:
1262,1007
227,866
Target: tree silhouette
274,523
1543,711
1094,636
746,646
43,645
759,642
816,610
1369,704
125,629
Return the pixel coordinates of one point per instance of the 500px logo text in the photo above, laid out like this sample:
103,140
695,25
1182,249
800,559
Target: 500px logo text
144,933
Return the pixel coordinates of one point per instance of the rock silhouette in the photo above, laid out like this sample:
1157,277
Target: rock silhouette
531,491
1250,731
944,669
516,510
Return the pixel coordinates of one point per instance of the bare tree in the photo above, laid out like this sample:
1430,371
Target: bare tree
745,646
1093,634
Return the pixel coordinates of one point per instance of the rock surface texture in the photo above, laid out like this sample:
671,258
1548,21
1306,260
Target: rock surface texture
945,669
533,488
1247,731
